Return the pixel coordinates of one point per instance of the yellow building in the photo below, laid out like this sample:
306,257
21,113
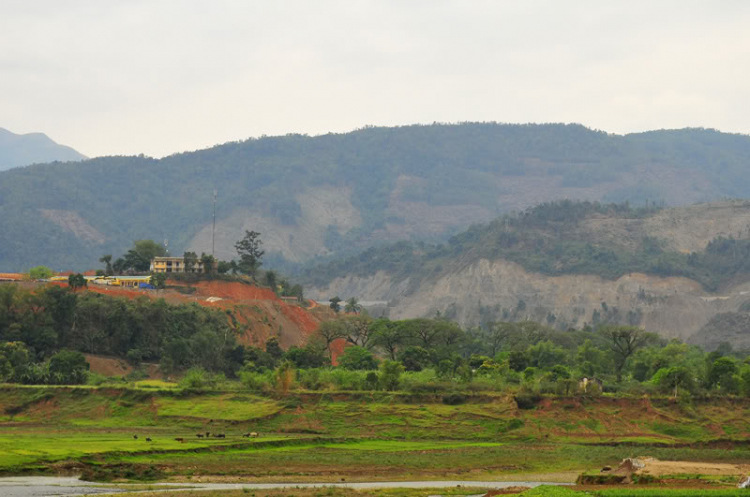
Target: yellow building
174,265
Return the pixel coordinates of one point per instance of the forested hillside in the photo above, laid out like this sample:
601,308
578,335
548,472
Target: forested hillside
313,197
33,148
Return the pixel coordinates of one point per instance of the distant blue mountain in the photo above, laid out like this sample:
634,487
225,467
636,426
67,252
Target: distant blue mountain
32,148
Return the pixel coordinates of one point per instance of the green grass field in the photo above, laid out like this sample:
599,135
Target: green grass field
357,437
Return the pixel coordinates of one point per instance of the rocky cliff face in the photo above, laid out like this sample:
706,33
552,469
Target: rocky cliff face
502,291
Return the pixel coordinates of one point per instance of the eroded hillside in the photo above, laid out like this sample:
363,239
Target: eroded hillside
553,278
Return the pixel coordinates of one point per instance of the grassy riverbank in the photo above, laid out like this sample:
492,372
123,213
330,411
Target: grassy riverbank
313,436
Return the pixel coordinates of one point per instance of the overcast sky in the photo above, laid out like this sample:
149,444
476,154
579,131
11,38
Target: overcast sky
158,77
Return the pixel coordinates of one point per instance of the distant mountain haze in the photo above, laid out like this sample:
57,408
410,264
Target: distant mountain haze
329,196
32,148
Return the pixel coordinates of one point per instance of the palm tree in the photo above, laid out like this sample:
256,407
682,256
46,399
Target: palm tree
352,305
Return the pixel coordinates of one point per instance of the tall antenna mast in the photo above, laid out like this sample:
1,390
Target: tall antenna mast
213,235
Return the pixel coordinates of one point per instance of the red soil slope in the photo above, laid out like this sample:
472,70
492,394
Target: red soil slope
259,313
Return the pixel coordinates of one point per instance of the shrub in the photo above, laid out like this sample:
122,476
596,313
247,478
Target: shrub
309,378
358,358
454,399
197,378
344,379
257,382
96,379
390,374
372,380
414,358
137,375
134,356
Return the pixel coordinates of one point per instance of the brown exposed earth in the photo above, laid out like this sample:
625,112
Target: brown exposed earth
260,314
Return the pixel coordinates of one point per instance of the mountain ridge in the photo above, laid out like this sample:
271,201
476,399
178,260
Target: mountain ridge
337,194
17,150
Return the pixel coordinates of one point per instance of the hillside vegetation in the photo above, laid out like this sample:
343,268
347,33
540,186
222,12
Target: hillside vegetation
339,193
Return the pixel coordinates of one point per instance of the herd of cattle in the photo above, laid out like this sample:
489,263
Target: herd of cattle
251,434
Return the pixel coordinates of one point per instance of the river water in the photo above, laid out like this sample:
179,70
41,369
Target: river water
42,486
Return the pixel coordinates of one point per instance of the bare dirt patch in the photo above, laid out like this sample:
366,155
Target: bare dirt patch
657,468
72,222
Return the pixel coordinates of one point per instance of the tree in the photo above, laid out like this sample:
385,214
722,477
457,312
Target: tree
311,355
496,335
388,335
390,374
107,261
357,358
119,266
191,260
329,332
273,348
158,280
545,355
40,273
140,256
518,360
77,281
721,372
358,329
208,262
68,367
415,358
423,330
624,342
271,280
335,304
352,306
673,378
249,250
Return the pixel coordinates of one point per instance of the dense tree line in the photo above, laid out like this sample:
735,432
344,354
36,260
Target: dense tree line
526,358
44,332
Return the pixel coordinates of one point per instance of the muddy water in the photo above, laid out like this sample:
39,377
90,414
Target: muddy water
39,486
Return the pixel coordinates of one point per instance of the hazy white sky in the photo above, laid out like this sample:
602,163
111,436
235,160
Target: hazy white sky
157,77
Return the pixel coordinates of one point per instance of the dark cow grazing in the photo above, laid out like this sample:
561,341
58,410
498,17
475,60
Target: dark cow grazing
181,440
208,434
246,435
148,439
135,437
199,435
220,435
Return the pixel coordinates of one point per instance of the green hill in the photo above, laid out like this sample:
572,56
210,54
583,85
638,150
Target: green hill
315,197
